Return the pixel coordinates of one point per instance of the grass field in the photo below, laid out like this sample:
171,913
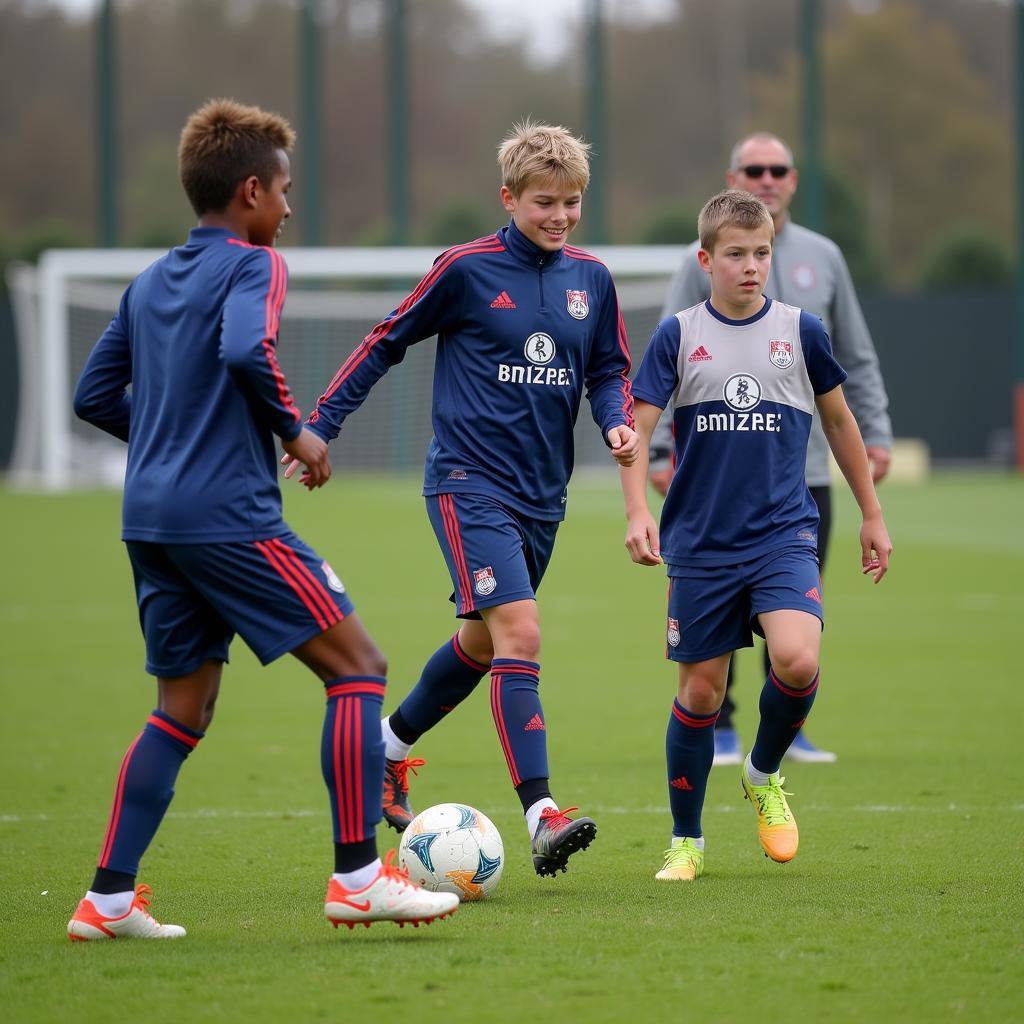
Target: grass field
906,901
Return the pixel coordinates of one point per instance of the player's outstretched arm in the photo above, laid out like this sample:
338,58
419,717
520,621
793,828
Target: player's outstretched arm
642,540
310,451
845,441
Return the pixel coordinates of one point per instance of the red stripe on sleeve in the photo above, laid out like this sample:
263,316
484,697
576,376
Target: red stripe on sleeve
381,331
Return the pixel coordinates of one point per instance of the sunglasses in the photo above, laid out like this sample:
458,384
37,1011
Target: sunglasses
757,170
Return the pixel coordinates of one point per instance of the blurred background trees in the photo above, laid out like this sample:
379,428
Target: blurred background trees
916,99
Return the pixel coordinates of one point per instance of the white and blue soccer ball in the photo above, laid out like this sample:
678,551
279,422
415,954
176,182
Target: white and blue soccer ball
453,848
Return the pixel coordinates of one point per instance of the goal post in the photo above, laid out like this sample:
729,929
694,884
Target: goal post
335,297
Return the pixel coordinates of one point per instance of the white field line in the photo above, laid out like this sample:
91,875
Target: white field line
215,813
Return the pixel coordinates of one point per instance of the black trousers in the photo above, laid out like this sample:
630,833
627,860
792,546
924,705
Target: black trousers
823,499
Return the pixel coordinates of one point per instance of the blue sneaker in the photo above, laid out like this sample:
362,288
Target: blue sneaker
727,747
803,750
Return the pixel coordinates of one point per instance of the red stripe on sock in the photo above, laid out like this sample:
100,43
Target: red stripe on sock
465,658
519,668
791,691
115,810
357,763
356,689
350,709
171,731
499,721
694,723
339,803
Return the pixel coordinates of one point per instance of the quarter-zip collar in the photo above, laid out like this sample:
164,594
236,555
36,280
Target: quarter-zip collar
525,251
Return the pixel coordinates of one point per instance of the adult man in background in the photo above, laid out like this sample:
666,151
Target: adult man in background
808,271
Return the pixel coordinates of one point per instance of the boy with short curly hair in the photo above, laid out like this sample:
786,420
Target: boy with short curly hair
195,339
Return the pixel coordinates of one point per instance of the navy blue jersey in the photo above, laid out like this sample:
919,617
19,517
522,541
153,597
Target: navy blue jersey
195,337
522,333
743,397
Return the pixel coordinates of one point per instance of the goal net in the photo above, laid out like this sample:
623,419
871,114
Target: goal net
335,297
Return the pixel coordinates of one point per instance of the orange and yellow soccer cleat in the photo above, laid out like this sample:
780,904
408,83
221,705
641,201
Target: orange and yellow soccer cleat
391,896
684,861
89,924
776,826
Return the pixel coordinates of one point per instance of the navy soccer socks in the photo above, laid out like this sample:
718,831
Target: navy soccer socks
145,787
519,719
447,679
352,760
689,751
783,710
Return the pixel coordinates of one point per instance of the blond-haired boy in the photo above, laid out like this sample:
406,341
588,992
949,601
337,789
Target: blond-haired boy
525,325
743,374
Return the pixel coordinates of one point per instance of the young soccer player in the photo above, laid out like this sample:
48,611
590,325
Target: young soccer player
195,337
525,325
743,374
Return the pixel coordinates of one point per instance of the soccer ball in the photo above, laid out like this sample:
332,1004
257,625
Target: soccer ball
453,848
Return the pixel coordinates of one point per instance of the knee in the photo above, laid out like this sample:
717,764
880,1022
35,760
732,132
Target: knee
522,640
376,663
797,667
702,695
206,713
369,660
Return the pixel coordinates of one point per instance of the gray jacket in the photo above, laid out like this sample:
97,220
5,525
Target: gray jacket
808,271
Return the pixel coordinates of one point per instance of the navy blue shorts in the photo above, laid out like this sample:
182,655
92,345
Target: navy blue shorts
712,611
494,554
193,598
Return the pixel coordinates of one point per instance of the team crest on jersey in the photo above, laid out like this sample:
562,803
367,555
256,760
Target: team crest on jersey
484,581
576,303
742,392
539,348
332,578
781,353
673,632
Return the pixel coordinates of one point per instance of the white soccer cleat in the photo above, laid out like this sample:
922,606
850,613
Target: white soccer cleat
389,897
89,924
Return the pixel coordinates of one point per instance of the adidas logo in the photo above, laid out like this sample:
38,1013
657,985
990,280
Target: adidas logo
813,594
503,302
534,724
681,783
699,355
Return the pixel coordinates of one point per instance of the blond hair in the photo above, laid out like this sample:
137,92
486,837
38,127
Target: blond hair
538,152
222,144
732,208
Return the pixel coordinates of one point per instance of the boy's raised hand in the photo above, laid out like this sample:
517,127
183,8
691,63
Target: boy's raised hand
642,540
625,444
875,548
310,451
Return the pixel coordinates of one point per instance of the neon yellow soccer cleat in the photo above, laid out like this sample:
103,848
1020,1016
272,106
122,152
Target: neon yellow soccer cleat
683,861
776,826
